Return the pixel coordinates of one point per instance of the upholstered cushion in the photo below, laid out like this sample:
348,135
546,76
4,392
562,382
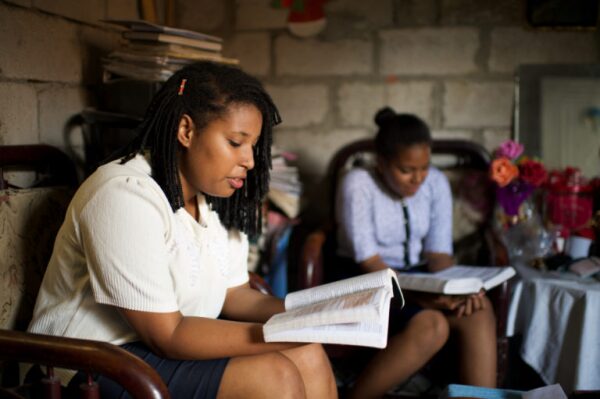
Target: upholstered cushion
472,200
472,205
29,221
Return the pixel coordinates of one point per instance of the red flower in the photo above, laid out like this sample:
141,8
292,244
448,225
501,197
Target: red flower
533,172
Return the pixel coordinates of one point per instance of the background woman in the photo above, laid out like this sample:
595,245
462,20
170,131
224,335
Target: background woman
399,215
152,255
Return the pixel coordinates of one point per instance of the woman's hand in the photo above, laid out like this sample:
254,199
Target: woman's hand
459,305
472,304
436,301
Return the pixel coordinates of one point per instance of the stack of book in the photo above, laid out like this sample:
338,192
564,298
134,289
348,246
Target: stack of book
285,188
154,52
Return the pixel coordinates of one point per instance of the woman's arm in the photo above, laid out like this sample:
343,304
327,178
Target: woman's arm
355,219
175,336
438,261
246,304
373,264
437,243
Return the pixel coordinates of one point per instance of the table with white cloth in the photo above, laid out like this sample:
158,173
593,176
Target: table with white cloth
558,317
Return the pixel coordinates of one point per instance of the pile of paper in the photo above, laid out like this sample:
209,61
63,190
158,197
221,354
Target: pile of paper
285,188
154,52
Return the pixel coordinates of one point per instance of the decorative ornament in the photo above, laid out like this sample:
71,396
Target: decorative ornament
306,17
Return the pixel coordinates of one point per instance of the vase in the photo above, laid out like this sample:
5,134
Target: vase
524,234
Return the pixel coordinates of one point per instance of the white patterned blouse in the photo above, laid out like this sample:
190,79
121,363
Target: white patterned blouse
371,221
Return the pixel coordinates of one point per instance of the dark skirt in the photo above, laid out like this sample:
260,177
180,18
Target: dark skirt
193,379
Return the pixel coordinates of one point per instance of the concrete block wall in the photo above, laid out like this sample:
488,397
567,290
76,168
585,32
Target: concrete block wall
50,65
452,62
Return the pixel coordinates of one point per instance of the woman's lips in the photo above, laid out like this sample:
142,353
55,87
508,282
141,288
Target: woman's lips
236,182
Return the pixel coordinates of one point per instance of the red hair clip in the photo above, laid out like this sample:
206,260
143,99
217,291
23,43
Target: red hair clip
181,87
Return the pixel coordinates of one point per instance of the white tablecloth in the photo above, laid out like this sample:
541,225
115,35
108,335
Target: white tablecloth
558,316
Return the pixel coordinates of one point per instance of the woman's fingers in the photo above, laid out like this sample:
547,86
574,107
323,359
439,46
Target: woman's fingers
469,307
453,301
477,303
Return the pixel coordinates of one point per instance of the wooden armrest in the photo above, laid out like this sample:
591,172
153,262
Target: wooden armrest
131,372
498,251
310,270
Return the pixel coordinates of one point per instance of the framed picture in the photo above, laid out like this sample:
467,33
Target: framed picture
562,14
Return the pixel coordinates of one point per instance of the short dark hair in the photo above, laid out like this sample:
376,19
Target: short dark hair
204,91
398,131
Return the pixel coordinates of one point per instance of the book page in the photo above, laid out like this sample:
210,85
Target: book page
363,306
490,276
431,282
362,334
382,278
456,279
370,330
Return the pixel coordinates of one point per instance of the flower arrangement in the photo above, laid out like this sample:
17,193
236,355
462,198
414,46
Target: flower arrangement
517,176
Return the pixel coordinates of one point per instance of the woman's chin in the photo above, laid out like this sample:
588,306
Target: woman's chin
408,193
222,193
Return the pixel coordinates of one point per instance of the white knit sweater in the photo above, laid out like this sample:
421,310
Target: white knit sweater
122,245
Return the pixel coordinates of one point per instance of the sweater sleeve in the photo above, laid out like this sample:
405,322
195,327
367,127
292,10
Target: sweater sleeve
123,229
356,217
238,252
439,236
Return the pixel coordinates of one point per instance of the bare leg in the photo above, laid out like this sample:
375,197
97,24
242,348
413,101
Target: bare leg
315,369
302,372
476,344
405,353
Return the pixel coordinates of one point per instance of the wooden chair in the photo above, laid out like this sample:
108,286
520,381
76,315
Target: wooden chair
466,165
29,220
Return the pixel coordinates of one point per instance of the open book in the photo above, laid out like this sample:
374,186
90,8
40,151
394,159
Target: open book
354,311
456,279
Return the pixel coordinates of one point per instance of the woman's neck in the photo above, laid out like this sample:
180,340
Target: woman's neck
191,207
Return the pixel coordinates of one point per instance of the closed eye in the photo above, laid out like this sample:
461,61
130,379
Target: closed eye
234,144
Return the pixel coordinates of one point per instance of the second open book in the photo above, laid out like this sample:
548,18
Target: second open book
457,280
354,311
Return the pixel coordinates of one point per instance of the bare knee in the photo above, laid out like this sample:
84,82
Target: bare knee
270,375
311,357
434,328
315,369
286,374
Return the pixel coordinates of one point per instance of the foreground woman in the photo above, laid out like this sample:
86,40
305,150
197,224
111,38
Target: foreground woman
152,255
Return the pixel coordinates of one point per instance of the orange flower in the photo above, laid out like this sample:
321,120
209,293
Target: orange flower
503,171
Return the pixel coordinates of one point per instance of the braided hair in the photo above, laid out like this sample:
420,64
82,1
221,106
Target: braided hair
204,91
398,131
